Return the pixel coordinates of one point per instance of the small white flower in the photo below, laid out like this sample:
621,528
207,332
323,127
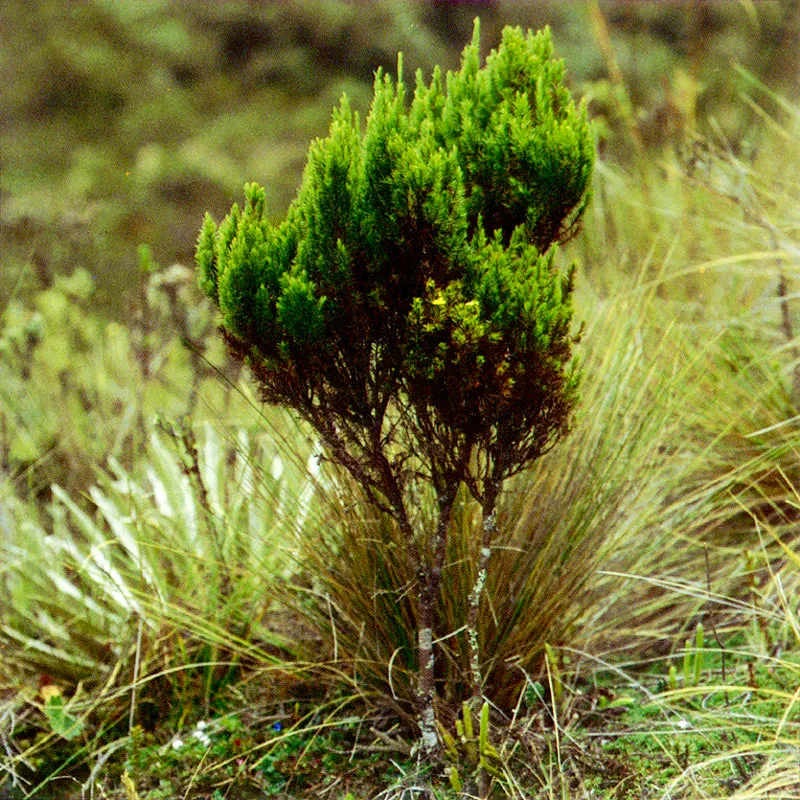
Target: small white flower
684,724
177,743
200,734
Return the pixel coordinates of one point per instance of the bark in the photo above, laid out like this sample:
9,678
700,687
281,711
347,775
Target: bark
428,580
381,476
426,688
473,613
475,596
426,684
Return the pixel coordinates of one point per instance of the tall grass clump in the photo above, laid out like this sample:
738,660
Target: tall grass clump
734,459
595,494
741,443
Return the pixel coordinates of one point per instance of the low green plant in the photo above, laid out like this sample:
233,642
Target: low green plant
57,711
473,756
201,756
692,660
129,786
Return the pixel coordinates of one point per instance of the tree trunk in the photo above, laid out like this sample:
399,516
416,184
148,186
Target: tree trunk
428,581
475,596
489,529
426,686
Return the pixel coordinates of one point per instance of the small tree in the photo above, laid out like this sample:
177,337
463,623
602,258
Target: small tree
409,308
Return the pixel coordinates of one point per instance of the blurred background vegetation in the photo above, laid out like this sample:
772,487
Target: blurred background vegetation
124,121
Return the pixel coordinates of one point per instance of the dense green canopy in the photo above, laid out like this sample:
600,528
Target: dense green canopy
415,268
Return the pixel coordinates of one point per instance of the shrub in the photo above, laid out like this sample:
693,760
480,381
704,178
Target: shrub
409,307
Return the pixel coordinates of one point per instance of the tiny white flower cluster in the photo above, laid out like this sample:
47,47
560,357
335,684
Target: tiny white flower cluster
198,733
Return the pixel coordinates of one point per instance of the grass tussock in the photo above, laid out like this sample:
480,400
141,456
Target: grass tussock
560,521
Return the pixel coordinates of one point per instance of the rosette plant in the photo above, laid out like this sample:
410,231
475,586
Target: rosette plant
409,307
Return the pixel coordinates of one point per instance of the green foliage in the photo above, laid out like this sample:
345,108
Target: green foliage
202,755
60,720
416,263
473,756
526,160
269,760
